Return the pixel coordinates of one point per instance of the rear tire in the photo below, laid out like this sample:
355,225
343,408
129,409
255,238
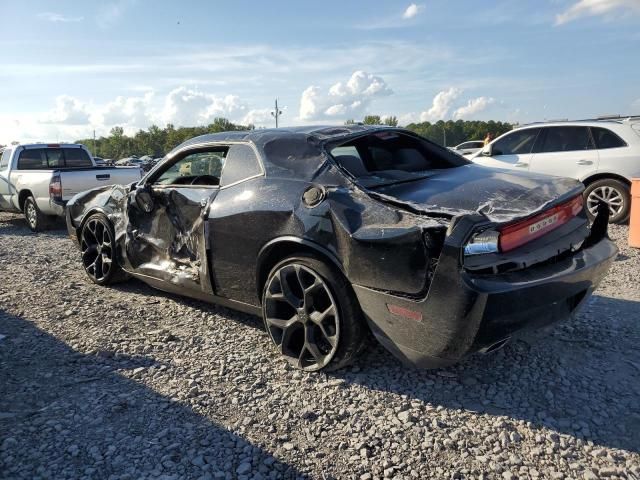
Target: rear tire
311,314
615,193
98,247
36,220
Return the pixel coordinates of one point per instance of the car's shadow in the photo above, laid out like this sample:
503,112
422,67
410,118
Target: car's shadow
68,414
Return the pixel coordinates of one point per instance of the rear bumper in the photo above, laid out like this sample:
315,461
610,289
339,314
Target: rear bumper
464,313
57,207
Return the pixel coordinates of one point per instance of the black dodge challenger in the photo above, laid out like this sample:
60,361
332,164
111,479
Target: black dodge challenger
330,233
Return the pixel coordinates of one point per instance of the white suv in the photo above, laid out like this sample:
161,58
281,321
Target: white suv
603,154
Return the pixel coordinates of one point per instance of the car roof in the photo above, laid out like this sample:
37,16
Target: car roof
261,136
576,123
28,146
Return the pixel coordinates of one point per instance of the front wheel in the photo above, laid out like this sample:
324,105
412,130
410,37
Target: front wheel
97,244
311,314
614,193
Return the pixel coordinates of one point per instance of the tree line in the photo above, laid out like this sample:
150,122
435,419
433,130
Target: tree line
156,141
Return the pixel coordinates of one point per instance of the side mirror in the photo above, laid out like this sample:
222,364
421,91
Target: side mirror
487,151
143,199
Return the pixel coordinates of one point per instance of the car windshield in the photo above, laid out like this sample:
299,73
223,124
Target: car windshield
387,157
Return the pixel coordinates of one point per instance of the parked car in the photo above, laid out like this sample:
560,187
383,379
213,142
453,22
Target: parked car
468,148
328,232
602,154
38,179
129,162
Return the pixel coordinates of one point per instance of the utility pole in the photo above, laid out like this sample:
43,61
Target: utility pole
276,113
94,143
444,134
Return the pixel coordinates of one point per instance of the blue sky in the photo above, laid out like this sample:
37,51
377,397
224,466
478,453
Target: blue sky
70,67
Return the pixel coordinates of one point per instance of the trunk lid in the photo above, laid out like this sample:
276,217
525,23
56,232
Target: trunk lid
500,195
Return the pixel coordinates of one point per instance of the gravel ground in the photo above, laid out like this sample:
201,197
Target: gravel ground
130,383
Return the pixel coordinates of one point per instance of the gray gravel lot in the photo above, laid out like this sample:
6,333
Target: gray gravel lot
127,383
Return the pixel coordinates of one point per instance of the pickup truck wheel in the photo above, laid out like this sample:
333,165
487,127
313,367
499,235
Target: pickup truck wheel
312,315
97,244
615,193
36,220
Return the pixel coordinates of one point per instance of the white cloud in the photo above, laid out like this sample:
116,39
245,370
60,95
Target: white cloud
126,111
441,105
187,107
583,8
71,119
472,107
260,117
58,17
350,99
411,11
68,111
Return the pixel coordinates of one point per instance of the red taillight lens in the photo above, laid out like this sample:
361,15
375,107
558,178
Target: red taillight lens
55,188
516,235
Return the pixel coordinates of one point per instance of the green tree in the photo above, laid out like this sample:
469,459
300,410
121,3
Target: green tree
154,141
372,120
392,121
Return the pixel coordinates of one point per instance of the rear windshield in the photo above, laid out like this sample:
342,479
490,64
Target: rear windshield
386,157
44,158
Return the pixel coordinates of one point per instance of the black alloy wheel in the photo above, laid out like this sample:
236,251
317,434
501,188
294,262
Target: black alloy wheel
98,250
311,316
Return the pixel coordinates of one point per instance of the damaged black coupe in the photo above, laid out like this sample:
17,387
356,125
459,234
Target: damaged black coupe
331,233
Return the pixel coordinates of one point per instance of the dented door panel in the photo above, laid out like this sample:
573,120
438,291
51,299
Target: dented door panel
169,243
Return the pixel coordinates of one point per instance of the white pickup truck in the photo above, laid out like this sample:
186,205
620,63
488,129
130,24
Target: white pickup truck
39,179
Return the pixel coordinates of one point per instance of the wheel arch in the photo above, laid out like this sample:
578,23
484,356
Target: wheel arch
86,216
605,175
22,197
279,248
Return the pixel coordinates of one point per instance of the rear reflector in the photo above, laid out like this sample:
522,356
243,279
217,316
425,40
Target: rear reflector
404,312
517,234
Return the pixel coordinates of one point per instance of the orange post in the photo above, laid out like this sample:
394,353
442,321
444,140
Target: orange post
634,219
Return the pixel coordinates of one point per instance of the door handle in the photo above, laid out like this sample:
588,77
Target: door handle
584,162
522,164
103,176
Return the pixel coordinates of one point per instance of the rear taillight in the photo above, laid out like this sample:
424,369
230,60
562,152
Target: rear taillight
55,188
517,234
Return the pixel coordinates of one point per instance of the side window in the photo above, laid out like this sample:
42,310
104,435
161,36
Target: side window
241,164
76,157
566,139
348,150
606,138
32,159
517,142
201,168
4,161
